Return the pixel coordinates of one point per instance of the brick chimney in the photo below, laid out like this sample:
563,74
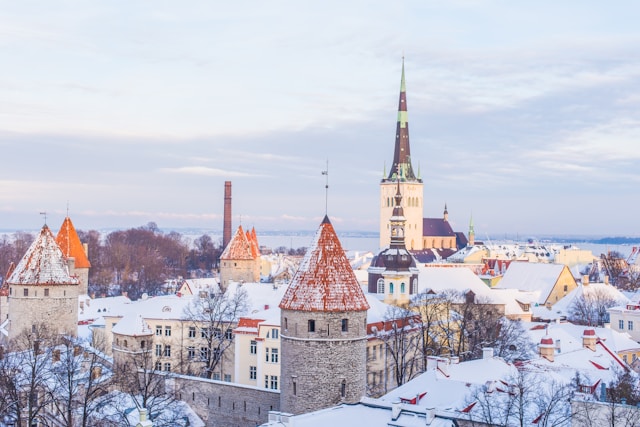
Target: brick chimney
226,227
589,339
547,348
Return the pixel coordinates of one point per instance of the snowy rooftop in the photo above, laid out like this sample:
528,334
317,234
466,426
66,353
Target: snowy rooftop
532,277
325,280
43,264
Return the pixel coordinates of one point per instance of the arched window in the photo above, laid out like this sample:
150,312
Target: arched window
391,288
414,287
381,285
402,288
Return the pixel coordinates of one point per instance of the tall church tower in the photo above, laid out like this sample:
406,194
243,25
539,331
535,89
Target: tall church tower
411,186
323,330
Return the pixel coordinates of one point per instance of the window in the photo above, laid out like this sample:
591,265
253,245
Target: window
266,381
204,333
295,388
217,333
381,286
228,334
252,372
192,331
167,331
312,325
343,388
158,366
274,382
286,324
345,325
158,330
253,347
266,352
630,324
143,344
125,343
167,351
274,334
390,288
46,292
621,324
216,376
274,355
158,350
227,378
25,291
204,353
380,347
191,353
402,288
167,367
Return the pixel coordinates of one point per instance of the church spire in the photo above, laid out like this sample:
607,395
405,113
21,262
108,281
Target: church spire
402,152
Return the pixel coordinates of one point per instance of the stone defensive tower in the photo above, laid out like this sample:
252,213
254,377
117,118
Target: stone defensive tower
72,248
323,330
42,291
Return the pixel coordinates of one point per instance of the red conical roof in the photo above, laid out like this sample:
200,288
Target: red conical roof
239,247
325,280
43,264
71,245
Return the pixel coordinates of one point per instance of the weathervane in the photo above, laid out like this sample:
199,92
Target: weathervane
44,214
326,188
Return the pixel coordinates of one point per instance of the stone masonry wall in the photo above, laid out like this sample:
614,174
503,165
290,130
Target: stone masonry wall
225,404
316,364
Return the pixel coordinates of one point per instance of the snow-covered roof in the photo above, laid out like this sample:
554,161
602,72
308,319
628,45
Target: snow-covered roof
593,291
448,385
43,263
532,277
239,248
132,325
369,412
325,280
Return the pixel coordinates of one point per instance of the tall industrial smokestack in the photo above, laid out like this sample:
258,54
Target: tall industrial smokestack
226,228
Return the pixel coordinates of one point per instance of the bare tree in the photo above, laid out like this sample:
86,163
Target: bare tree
25,375
590,308
401,340
428,305
512,342
215,314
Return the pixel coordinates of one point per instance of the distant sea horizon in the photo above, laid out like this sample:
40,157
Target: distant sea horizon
367,241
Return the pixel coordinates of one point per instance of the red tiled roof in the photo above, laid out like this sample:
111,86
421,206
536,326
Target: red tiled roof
325,280
239,247
71,245
42,264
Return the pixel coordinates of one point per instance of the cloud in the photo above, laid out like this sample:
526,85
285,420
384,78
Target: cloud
206,171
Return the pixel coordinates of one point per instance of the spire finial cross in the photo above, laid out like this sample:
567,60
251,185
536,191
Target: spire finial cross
44,215
326,188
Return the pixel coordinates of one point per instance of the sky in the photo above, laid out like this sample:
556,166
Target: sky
522,115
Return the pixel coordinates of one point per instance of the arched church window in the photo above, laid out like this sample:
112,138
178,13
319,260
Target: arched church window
381,286
414,287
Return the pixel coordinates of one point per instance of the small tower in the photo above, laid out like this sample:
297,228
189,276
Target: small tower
393,271
75,251
240,260
472,233
445,214
42,291
411,186
323,330
132,341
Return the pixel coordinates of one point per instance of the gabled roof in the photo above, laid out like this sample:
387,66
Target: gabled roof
43,264
71,245
532,277
132,325
325,280
239,247
437,227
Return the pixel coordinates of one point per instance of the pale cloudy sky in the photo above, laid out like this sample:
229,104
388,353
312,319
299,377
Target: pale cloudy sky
525,115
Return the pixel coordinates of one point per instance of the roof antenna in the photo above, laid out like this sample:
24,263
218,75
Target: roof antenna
326,188
44,214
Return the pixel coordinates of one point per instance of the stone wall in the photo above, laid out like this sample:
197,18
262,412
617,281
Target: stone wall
324,367
239,271
225,404
55,306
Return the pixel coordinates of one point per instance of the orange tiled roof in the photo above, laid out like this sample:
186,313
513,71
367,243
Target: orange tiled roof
325,280
239,247
70,244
